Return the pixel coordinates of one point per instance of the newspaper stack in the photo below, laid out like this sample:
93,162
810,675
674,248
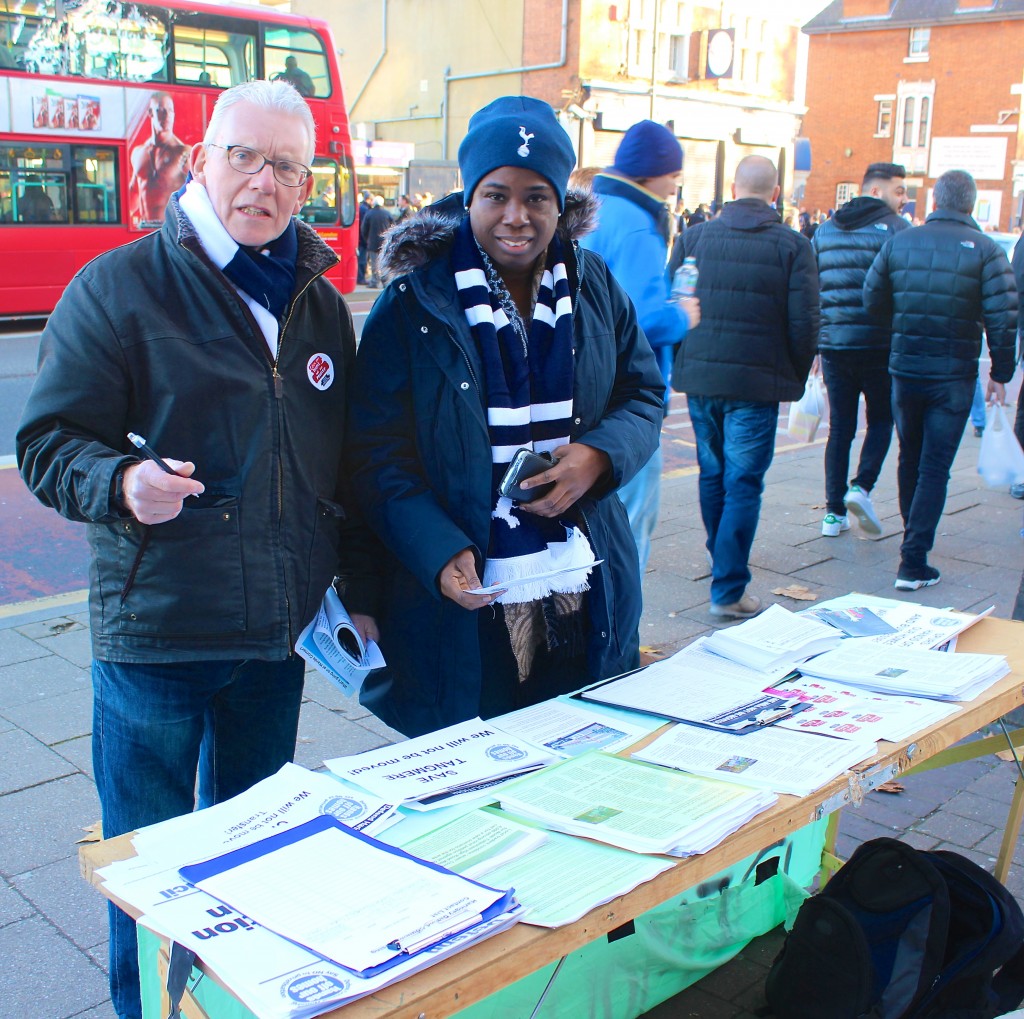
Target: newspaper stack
910,671
777,637
781,760
633,805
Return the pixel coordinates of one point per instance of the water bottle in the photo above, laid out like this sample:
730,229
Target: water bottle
684,282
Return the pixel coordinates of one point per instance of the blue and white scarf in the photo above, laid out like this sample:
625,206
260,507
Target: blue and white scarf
264,278
529,381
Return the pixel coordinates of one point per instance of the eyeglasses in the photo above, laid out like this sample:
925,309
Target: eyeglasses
246,160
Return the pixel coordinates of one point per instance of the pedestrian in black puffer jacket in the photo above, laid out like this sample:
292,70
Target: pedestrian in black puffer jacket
854,346
753,348
940,284
758,290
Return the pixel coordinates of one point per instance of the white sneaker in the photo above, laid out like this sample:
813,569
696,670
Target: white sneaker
858,502
832,525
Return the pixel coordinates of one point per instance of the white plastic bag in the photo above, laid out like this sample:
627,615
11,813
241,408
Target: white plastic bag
807,413
1000,459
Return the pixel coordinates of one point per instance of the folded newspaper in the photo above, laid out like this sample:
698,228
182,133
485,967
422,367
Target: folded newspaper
332,644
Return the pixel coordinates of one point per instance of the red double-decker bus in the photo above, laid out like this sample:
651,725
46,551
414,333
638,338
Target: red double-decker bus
100,103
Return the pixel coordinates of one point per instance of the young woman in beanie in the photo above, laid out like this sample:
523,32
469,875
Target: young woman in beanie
496,332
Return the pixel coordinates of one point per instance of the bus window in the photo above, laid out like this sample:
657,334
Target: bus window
322,205
33,181
297,56
92,39
347,192
212,56
94,178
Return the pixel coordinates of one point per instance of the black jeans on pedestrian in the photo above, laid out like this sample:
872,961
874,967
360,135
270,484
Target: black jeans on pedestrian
930,417
361,257
847,374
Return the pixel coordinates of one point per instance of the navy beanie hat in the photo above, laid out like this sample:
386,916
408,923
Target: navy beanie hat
516,131
648,149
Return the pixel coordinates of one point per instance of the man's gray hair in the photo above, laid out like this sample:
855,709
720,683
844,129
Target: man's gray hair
270,95
955,190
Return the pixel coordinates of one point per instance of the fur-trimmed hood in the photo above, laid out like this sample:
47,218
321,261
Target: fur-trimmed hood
414,242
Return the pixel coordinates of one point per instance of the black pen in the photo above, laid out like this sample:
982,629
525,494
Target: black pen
140,443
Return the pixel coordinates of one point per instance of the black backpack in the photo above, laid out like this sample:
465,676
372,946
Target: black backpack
902,934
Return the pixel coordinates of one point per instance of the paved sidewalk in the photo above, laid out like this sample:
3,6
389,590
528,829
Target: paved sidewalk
53,926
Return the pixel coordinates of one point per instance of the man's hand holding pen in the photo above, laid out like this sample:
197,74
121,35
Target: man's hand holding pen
153,496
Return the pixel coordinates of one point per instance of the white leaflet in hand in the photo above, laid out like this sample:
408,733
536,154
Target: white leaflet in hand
508,585
331,643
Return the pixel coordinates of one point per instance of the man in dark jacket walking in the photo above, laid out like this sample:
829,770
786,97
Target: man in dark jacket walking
217,339
371,232
854,346
365,208
939,283
758,290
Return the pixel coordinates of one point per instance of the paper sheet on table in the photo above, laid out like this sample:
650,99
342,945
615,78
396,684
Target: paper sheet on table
569,729
273,977
290,797
629,804
698,686
913,672
508,585
854,713
774,638
917,626
436,768
538,871
358,902
775,759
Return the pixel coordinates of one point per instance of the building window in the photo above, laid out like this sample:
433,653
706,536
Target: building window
883,128
913,117
919,40
844,192
909,108
922,122
679,56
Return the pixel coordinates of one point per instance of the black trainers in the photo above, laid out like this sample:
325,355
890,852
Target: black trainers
913,578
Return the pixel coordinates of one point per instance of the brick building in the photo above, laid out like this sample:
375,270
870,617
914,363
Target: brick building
933,84
726,74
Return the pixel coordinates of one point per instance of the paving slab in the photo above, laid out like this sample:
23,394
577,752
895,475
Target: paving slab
57,718
323,735
79,752
29,681
75,646
42,825
25,762
16,647
52,978
73,907
13,906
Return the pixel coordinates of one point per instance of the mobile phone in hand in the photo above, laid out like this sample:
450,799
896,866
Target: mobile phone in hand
526,464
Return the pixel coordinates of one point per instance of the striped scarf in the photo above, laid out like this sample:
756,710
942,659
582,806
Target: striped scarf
529,381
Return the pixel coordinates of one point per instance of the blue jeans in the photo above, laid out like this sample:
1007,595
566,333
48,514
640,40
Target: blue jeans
155,727
847,374
930,418
735,445
978,406
641,497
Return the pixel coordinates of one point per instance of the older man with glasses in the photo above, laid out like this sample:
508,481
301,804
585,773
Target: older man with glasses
218,340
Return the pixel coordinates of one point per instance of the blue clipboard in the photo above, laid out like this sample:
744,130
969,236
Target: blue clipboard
196,872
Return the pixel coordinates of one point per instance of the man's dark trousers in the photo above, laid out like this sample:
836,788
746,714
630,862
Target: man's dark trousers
847,374
930,416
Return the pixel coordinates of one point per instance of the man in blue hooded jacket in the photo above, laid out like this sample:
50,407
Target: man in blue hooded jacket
632,237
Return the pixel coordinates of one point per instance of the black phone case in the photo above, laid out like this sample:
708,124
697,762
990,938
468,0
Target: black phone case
525,464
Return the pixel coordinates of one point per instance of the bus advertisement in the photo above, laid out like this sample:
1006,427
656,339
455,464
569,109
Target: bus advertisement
100,105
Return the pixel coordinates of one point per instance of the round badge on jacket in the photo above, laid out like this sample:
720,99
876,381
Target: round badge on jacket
320,371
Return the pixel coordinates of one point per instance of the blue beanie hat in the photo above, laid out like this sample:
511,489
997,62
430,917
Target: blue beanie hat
516,131
648,149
